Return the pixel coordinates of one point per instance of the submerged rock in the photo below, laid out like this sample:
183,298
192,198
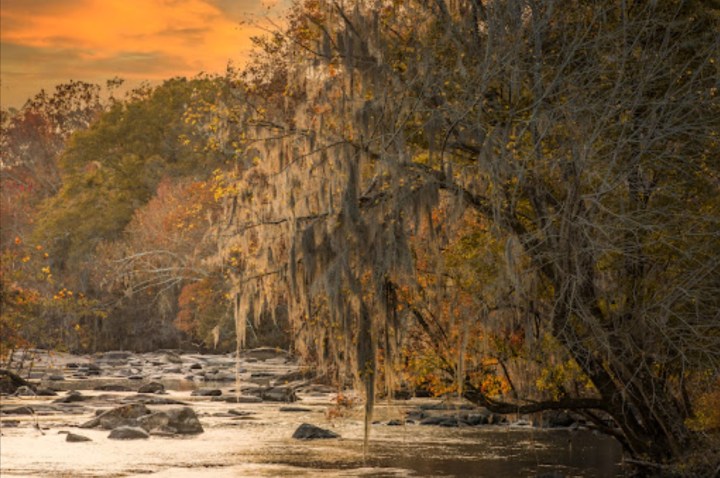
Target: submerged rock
311,432
128,433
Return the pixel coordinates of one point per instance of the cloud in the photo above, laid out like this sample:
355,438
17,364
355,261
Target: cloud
91,40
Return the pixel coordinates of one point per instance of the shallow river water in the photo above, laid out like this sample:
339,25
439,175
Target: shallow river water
260,445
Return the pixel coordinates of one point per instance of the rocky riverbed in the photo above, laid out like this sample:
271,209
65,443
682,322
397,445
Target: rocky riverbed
171,414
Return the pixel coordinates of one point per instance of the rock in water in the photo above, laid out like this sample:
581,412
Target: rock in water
71,437
183,421
128,433
18,411
126,415
311,432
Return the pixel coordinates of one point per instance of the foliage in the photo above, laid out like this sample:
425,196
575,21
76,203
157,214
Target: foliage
577,139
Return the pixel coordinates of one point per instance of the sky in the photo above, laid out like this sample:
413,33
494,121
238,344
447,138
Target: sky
47,42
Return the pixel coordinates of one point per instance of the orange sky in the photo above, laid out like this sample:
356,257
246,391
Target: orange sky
46,42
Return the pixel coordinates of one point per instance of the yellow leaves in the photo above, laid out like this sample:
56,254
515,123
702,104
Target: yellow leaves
63,294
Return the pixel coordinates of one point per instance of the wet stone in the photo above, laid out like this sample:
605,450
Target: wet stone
295,409
73,438
307,431
18,411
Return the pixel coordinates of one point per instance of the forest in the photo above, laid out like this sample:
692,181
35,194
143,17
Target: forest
515,202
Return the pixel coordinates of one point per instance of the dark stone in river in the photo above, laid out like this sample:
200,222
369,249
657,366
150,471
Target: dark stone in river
128,433
295,409
311,432
195,366
46,392
206,392
125,415
152,387
56,377
73,438
18,411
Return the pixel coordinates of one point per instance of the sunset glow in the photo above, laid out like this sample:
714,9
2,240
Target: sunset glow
45,42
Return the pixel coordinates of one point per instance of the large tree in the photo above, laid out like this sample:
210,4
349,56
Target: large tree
582,134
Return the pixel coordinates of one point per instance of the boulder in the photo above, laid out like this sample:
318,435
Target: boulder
152,387
183,421
195,366
73,438
128,433
311,432
125,415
